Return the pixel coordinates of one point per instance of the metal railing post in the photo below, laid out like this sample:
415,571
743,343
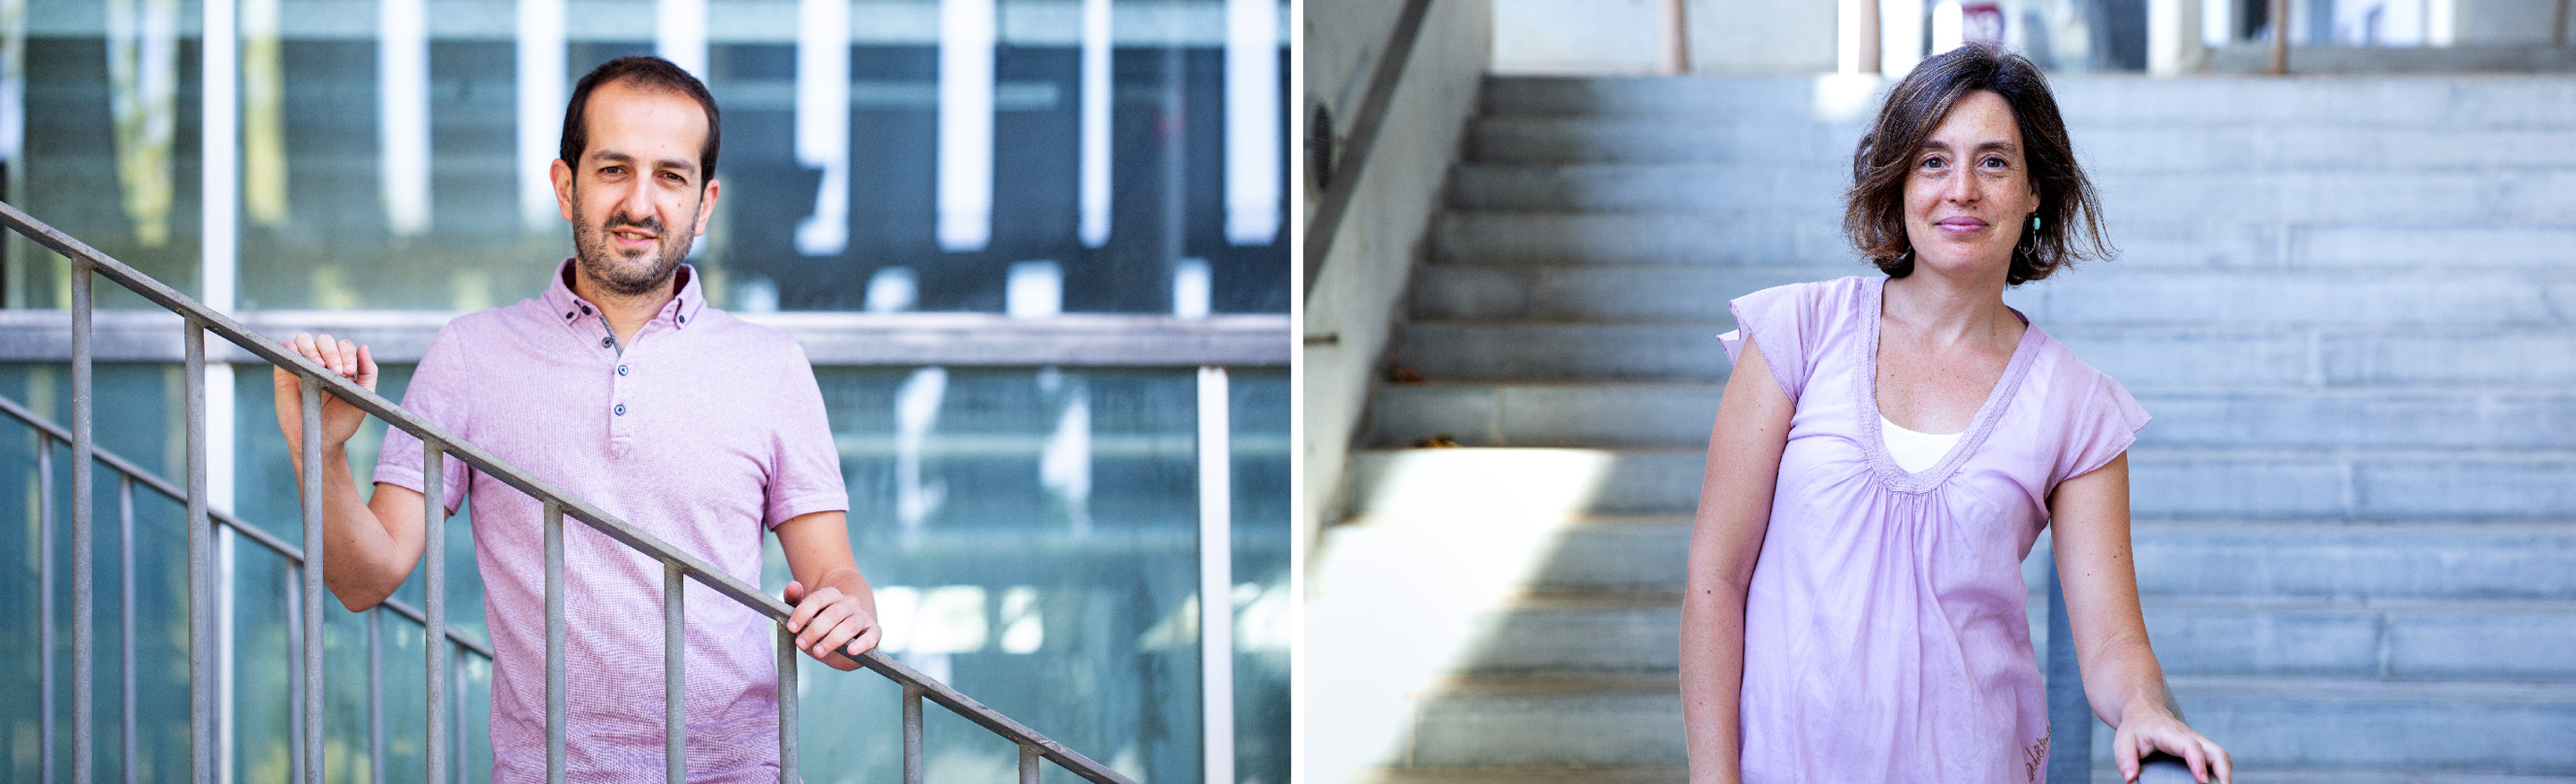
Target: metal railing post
786,705
911,734
554,642
376,691
295,722
125,623
433,487
84,567
313,538
675,654
201,638
45,605
1028,764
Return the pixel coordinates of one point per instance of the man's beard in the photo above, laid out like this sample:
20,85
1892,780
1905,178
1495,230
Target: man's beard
628,273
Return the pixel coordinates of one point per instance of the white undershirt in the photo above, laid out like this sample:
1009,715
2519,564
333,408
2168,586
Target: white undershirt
1914,451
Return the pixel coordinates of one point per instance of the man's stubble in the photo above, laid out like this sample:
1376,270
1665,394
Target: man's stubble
629,274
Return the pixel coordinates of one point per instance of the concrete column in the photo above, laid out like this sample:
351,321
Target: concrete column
2174,38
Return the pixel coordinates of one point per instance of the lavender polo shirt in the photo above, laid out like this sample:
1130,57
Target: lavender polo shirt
704,431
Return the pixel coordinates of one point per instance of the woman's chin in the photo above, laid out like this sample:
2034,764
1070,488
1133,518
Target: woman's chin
1969,263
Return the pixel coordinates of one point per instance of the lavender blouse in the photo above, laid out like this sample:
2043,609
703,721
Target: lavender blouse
1885,637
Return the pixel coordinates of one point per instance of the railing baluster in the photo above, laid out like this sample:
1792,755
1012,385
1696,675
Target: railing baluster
456,715
1028,764
45,604
433,484
313,566
125,620
675,655
201,638
554,642
84,567
911,734
295,674
786,705
376,692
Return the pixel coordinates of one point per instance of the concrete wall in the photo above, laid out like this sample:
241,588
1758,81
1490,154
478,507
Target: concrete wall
1368,268
1627,36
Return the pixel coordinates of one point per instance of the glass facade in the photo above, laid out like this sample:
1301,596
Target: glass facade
1033,530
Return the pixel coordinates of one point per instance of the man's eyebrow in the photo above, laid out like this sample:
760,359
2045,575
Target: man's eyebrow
683,165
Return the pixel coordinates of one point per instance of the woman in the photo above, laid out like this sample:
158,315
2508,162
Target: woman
1887,451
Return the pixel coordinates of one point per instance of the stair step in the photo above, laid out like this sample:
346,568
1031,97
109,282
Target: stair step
1679,414
2460,101
2140,357
2409,639
2450,196
2492,727
2116,294
2364,484
2285,722
2107,146
1531,776
1811,236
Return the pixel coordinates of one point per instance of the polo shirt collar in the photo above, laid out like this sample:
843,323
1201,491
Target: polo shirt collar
572,309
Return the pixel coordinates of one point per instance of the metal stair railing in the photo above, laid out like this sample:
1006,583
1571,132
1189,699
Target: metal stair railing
438,444
130,474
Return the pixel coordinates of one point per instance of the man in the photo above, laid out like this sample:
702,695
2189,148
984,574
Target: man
621,387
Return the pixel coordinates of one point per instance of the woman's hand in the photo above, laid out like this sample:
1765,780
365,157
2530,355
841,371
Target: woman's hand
2152,728
340,420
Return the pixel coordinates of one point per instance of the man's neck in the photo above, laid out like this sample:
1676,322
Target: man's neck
626,314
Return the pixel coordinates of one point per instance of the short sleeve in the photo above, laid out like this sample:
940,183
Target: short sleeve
2106,424
1779,319
806,465
437,392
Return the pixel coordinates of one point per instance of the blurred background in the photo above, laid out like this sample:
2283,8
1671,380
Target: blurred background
1027,243
2342,289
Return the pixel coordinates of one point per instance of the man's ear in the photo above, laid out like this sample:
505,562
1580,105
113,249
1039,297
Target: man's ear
561,173
706,207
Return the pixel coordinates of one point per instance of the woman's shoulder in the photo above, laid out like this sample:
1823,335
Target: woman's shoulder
2067,378
1813,302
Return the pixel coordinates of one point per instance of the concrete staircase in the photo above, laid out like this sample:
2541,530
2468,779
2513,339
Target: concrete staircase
2349,302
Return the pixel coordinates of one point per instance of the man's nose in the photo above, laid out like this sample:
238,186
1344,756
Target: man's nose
637,202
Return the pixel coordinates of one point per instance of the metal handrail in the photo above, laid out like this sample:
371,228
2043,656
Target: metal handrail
437,443
1380,98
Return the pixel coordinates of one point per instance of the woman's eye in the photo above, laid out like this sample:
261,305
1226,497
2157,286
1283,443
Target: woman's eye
1994,163
1933,163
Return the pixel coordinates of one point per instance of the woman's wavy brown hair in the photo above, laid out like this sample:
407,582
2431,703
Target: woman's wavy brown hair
1874,210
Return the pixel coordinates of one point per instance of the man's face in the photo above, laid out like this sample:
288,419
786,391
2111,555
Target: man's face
636,197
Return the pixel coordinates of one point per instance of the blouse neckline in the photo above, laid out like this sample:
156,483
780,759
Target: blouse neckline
1874,443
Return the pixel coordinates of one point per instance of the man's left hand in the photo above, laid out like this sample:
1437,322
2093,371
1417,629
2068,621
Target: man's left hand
831,626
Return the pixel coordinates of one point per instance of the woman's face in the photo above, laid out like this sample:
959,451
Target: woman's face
1969,196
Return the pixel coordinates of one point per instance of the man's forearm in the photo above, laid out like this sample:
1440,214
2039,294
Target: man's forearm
363,562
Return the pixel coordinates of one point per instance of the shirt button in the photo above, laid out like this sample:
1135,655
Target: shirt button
621,370
621,409
684,319
603,342
567,314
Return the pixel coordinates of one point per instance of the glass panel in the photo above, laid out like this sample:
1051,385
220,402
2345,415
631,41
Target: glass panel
340,213
1032,537
110,148
1263,615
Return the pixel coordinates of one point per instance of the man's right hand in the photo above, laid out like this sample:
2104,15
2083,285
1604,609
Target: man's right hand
340,420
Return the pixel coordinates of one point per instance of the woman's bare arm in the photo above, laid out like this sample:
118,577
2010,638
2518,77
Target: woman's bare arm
2090,517
1734,512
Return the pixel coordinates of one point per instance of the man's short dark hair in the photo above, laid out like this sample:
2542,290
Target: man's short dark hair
642,71
1874,210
